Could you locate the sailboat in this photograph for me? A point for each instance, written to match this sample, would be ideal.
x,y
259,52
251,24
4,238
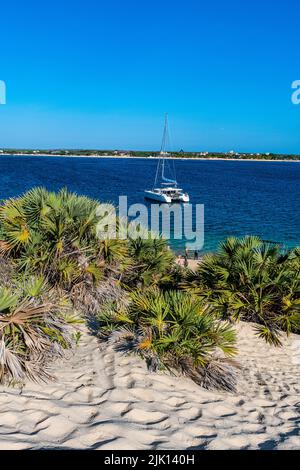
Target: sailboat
x,y
168,190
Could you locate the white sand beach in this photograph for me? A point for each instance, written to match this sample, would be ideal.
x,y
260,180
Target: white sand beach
x,y
153,157
104,400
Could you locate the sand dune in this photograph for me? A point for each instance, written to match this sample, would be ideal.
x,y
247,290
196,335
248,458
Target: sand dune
x,y
103,400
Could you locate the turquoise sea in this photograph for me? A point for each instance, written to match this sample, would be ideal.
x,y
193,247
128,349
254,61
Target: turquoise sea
x,y
240,197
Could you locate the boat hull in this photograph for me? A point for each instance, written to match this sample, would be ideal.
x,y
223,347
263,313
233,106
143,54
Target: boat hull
x,y
164,198
157,197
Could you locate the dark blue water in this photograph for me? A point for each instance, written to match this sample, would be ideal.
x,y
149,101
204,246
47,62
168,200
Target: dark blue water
x,y
240,198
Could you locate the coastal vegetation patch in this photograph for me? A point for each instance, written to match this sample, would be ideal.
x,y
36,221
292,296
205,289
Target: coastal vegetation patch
x,y
55,272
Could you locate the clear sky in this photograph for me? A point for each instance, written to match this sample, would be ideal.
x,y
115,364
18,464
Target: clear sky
x,y
101,74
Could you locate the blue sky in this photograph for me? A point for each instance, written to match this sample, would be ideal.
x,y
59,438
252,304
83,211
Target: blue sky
x,y
101,74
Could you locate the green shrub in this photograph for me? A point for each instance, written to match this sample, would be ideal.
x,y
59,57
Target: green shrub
x,y
36,326
250,280
56,234
176,331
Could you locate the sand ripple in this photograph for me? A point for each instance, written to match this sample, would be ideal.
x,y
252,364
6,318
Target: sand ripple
x,y
102,400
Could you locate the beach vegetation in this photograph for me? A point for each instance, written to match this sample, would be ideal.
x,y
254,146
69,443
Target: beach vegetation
x,y
175,331
55,234
55,266
36,326
254,281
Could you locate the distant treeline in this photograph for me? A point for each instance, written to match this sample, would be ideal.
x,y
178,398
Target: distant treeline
x,y
145,154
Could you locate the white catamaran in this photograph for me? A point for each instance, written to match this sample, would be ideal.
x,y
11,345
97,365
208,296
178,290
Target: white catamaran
x,y
168,190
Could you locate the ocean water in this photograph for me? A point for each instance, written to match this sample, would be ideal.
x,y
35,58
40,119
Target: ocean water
x,y
239,197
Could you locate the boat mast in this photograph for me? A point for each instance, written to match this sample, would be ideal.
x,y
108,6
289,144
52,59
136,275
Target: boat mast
x,y
165,136
161,161
164,145
162,155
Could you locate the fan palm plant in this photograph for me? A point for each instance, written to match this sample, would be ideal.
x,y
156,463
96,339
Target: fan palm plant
x,y
254,281
174,330
56,234
152,260
35,327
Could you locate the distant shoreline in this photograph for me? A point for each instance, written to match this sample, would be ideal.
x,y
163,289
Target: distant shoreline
x,y
120,157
